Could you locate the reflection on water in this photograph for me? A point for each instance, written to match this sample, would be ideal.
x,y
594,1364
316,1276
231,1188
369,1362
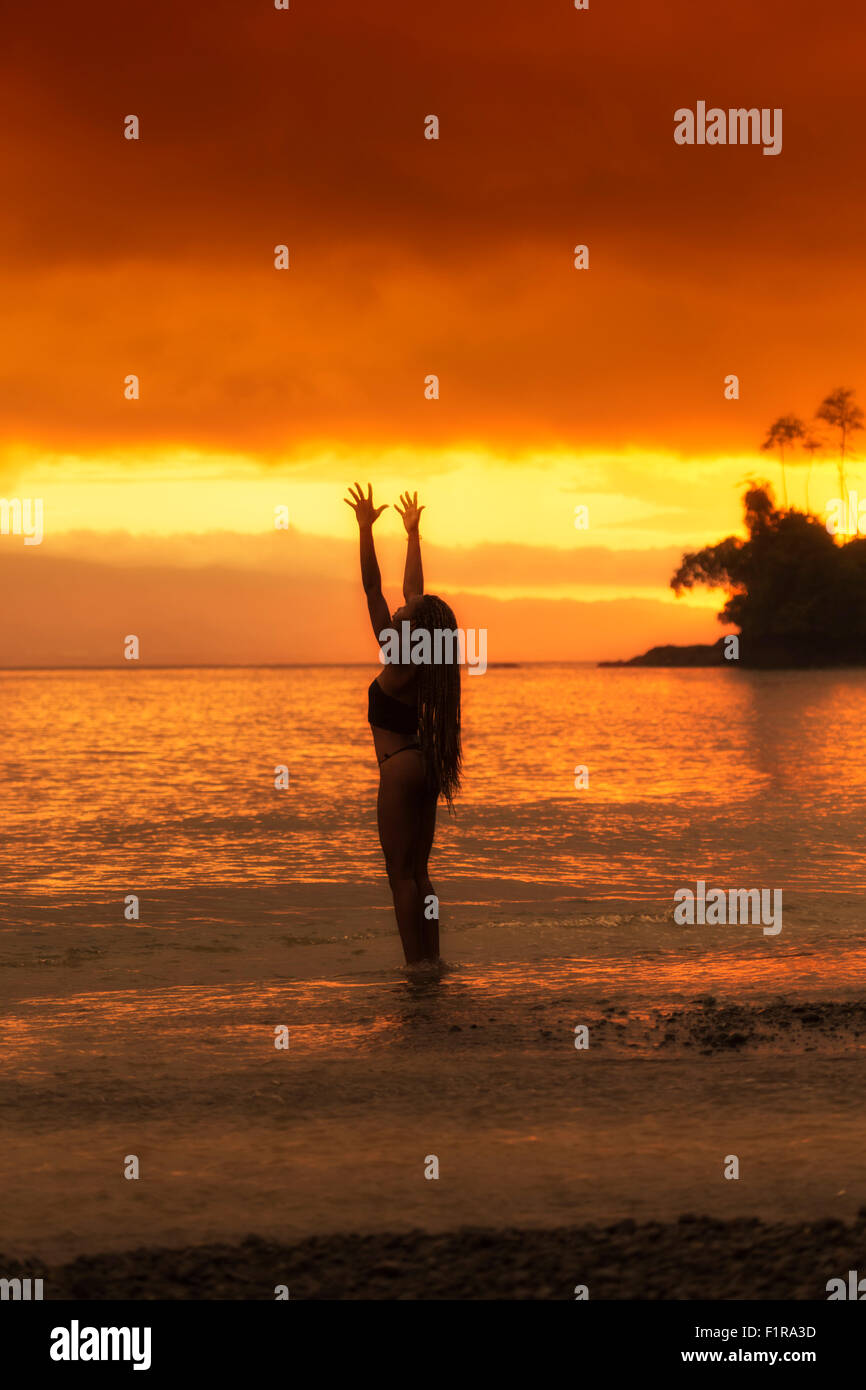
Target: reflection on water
x,y
505,1008
166,778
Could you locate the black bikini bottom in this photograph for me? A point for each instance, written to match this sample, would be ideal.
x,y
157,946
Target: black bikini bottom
x,y
385,758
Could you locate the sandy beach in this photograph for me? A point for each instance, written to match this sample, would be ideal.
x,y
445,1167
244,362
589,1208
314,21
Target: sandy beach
x,y
553,1162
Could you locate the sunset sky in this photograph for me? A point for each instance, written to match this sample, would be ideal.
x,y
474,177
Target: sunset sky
x,y
260,388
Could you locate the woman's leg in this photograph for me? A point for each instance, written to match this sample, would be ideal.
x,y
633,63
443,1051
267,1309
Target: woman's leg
x,y
400,807
426,828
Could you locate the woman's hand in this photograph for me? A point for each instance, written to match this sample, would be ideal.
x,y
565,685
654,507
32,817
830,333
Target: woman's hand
x,y
411,513
365,512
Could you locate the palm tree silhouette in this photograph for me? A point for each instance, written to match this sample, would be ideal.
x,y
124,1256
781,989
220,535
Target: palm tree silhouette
x,y
839,411
782,434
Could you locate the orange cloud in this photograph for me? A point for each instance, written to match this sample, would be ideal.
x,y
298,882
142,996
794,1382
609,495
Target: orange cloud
x,y
412,257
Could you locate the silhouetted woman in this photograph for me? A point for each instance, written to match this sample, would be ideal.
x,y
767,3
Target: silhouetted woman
x,y
414,714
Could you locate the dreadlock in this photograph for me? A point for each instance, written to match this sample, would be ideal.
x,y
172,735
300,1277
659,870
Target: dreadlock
x,y
439,702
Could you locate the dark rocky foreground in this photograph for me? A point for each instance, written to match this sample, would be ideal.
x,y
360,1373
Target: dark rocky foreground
x,y
693,1258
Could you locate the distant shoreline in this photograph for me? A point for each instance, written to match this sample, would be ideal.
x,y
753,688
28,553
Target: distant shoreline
x,y
704,655
670,656
699,655
272,666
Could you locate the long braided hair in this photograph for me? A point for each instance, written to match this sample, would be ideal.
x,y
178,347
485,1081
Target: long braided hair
x,y
439,702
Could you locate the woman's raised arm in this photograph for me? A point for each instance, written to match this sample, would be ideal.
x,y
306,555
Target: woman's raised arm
x,y
413,574
365,515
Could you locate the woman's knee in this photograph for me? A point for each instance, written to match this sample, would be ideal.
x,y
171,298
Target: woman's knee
x,y
399,868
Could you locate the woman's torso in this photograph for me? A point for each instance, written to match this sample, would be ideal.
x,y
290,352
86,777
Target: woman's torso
x,y
398,685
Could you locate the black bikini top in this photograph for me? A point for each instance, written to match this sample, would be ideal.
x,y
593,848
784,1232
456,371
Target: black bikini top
x,y
387,713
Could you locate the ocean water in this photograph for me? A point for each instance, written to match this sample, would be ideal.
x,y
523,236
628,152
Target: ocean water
x,y
264,908
167,776
161,783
